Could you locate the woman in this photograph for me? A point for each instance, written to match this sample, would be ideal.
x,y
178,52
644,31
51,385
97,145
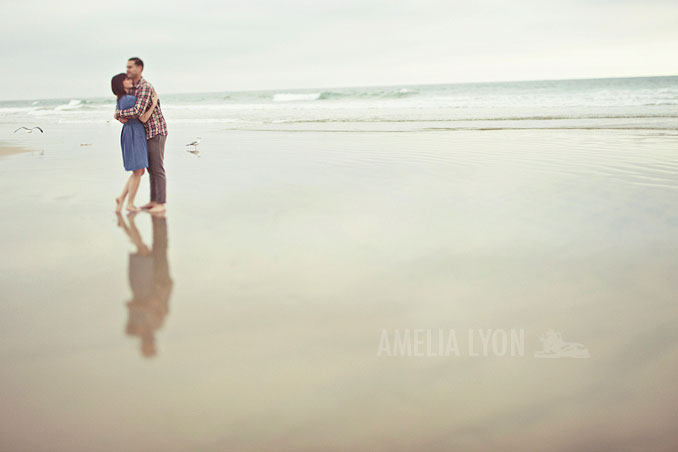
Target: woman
x,y
132,140
150,281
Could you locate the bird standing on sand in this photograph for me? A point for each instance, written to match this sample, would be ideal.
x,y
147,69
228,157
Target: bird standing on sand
x,y
195,146
29,130
194,143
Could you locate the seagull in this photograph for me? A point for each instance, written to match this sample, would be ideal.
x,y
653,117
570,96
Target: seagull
x,y
29,130
194,144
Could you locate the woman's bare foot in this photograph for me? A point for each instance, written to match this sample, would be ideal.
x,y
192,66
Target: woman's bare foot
x,y
158,208
118,204
132,208
149,205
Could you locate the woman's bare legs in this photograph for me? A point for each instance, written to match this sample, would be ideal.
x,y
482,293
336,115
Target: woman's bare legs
x,y
133,233
134,180
120,199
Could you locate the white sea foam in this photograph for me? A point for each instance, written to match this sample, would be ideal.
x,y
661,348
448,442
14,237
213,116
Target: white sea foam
x,y
292,97
36,112
72,105
8,111
209,121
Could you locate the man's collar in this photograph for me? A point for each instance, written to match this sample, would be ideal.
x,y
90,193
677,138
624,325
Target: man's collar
x,y
141,79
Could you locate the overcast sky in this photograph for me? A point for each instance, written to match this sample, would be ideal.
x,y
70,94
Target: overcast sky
x,y
73,48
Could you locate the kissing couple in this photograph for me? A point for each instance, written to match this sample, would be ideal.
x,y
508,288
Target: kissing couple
x,y
143,137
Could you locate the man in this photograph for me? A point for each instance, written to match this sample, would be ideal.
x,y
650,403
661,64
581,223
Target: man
x,y
150,281
156,133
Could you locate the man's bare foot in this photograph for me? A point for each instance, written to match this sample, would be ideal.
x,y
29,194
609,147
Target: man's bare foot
x,y
158,208
132,208
149,205
118,204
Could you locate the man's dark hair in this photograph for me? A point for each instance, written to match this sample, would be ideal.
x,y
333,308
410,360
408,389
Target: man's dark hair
x,y
116,85
137,61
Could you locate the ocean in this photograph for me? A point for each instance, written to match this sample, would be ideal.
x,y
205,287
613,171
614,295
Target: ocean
x,y
643,103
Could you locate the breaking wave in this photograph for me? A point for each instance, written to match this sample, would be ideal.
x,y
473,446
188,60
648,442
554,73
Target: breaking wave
x,y
73,104
346,95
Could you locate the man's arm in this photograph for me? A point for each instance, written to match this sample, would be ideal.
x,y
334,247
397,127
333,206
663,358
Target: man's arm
x,y
142,104
147,114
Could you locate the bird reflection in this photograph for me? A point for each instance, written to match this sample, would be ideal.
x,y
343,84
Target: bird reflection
x,y
150,282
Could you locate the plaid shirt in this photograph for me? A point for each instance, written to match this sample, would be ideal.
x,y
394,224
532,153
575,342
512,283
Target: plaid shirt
x,y
156,124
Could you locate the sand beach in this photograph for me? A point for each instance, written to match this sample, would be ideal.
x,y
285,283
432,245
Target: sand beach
x,y
9,150
251,317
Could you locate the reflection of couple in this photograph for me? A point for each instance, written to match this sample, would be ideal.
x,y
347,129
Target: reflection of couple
x,y
143,136
150,282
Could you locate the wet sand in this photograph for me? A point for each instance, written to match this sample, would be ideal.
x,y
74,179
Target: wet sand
x,y
250,317
9,150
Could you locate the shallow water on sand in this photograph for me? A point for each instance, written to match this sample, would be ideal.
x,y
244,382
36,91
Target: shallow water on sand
x,y
252,316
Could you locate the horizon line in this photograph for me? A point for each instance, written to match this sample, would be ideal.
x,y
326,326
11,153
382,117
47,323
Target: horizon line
x,y
370,86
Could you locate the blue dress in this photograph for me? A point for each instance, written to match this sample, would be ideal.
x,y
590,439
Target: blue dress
x,y
133,138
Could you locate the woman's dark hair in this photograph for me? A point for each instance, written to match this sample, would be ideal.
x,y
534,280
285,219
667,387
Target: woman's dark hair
x,y
116,85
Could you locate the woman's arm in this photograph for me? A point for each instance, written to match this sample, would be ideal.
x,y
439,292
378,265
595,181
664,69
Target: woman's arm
x,y
143,94
116,115
147,115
